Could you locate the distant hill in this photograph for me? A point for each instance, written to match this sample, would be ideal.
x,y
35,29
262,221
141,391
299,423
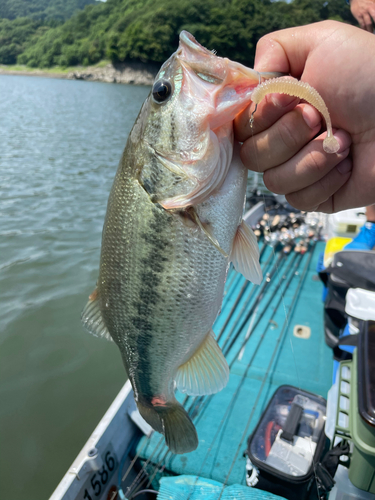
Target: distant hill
x,y
147,30
45,10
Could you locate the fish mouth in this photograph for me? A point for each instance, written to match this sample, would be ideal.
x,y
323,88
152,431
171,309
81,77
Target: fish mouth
x,y
226,84
188,40
210,67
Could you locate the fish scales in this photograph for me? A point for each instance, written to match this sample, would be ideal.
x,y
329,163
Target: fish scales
x,y
147,259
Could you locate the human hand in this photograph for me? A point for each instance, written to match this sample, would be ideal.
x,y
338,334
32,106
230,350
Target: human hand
x,y
338,60
364,12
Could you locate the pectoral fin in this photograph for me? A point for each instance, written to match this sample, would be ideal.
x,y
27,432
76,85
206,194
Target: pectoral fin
x,y
92,318
206,372
245,254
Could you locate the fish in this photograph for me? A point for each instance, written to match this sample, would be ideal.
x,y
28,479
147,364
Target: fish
x,y
173,226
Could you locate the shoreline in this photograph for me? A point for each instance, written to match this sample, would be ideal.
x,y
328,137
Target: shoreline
x,y
136,73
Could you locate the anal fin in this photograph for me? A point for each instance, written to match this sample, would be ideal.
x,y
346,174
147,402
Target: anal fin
x,y
245,254
206,372
92,318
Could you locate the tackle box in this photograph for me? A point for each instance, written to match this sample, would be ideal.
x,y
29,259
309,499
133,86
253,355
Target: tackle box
x,y
288,440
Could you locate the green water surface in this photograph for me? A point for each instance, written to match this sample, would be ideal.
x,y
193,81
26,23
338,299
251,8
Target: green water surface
x,y
60,144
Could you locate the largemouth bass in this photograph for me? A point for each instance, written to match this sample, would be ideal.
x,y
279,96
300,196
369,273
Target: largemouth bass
x,y
173,225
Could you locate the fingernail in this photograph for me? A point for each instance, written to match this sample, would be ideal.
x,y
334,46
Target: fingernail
x,y
345,166
282,100
311,116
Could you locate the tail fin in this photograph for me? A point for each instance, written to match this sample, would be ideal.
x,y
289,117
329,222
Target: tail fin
x,y
174,422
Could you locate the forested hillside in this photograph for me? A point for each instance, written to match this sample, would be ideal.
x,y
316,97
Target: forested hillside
x,y
146,30
46,10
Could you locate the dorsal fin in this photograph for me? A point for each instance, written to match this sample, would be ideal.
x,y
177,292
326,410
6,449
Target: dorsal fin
x,y
92,318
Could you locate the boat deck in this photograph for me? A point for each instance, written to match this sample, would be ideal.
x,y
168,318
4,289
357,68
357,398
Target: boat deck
x,y
255,330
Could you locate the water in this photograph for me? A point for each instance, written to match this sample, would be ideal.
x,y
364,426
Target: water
x,y
60,144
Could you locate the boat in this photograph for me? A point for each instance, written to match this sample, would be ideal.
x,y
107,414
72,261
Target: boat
x,y
273,337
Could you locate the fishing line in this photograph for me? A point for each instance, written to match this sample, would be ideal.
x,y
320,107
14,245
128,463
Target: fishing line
x,y
130,488
253,290
267,228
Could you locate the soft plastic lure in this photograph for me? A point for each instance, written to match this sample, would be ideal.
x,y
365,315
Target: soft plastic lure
x,y
303,91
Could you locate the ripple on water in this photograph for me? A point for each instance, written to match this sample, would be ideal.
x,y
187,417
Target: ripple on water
x,y
61,142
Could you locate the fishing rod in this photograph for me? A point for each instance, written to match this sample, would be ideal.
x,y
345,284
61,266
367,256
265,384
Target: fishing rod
x,y
301,247
242,291
281,335
297,253
252,328
244,287
264,285
143,470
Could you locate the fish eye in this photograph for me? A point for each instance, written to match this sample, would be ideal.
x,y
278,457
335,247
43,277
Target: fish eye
x,y
161,91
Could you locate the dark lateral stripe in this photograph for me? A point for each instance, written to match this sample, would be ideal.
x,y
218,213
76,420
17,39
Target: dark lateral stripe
x,y
173,136
150,275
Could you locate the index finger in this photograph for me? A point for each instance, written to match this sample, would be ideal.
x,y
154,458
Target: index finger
x,y
288,50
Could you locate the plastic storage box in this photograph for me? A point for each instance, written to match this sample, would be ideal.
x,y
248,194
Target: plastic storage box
x,y
362,412
286,443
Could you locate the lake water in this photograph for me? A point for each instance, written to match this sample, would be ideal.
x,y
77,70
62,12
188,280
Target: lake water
x,y
60,144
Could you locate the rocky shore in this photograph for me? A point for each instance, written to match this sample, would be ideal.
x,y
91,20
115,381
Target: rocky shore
x,y
136,73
